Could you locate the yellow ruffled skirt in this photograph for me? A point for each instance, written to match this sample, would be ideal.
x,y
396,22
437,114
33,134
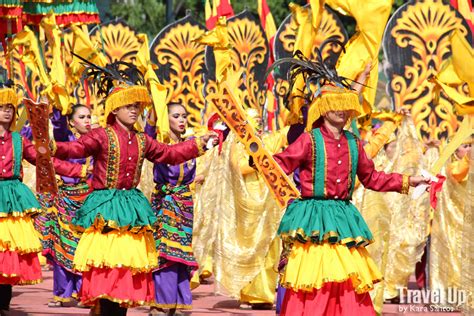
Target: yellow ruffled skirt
x,y
19,248
116,265
116,249
311,265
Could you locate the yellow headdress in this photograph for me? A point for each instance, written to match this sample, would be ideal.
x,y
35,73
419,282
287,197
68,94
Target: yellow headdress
x,y
333,98
8,95
122,84
122,96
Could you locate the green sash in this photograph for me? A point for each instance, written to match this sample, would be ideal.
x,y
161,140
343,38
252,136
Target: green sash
x,y
320,163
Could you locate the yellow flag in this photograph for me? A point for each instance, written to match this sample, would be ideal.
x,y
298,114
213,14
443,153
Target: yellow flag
x,y
304,43
82,46
32,59
371,18
62,99
218,38
158,91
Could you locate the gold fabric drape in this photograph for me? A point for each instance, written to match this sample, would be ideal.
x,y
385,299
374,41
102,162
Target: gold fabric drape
x,y
262,287
451,262
236,217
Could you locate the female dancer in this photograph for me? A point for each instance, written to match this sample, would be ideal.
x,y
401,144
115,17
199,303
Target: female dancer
x,y
172,203
60,242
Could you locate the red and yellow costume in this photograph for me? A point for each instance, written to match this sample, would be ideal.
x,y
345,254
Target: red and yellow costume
x,y
19,243
116,252
329,271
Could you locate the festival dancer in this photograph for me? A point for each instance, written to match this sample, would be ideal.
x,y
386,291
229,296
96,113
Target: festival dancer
x,y
19,244
60,241
172,203
447,261
329,271
259,294
116,252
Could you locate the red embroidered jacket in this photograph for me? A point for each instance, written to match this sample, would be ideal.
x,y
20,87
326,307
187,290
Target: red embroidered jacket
x,y
119,154
29,154
300,154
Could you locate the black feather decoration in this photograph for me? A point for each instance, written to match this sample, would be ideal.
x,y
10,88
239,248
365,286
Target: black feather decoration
x,y
106,78
7,84
316,73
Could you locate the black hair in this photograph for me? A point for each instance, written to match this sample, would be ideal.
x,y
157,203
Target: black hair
x,y
171,104
74,109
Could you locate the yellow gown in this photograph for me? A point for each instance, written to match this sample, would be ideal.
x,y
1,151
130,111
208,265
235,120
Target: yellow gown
x,y
451,262
236,220
398,223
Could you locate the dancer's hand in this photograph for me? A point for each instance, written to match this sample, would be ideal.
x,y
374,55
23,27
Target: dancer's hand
x,y
417,180
210,135
199,179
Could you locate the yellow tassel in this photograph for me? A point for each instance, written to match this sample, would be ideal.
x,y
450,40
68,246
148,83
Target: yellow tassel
x,y
126,96
8,96
333,101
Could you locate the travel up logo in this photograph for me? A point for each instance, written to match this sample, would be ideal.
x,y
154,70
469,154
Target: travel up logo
x,y
435,300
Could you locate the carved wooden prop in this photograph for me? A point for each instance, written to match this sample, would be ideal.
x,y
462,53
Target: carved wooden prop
x,y
38,115
416,43
231,111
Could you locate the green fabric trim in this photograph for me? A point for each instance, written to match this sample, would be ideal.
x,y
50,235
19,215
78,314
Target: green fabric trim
x,y
16,198
59,7
354,128
17,154
10,3
317,220
124,209
319,180
354,157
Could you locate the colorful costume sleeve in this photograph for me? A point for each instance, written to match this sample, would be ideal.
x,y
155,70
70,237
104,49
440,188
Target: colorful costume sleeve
x,y
60,129
158,152
379,138
297,154
63,168
379,180
459,169
150,130
86,146
27,132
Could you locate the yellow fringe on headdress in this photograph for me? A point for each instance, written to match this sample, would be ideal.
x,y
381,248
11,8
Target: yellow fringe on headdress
x,y
333,99
8,96
126,96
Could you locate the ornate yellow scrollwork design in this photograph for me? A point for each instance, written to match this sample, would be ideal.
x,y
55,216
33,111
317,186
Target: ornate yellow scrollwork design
x,y
117,39
181,65
416,44
249,54
285,39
